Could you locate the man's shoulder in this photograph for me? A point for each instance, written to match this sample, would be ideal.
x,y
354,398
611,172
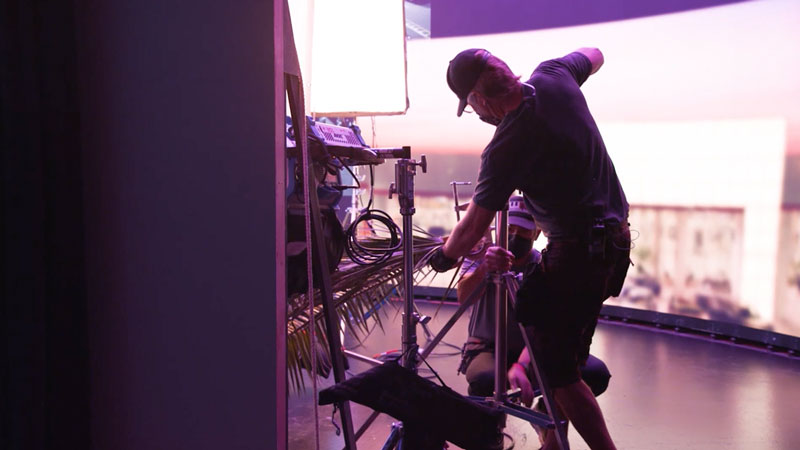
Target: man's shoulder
x,y
574,67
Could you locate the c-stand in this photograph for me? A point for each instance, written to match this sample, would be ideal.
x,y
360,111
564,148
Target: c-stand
x,y
405,170
505,286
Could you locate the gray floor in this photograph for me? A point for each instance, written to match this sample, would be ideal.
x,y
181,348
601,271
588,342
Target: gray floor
x,y
668,391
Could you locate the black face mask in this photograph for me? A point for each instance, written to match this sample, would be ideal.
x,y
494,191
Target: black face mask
x,y
490,120
519,246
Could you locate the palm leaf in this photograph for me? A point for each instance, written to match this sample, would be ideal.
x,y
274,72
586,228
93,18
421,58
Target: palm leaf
x,y
357,291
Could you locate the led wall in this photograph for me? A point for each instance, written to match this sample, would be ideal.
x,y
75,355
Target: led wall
x,y
698,104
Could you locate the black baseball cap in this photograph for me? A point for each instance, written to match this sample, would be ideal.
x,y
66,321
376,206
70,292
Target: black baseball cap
x,y
463,73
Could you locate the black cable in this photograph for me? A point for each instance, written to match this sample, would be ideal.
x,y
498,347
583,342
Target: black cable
x,y
372,254
358,183
371,185
375,253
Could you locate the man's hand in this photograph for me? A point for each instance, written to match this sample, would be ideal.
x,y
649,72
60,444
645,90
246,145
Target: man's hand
x,y
518,378
441,262
468,231
595,57
498,259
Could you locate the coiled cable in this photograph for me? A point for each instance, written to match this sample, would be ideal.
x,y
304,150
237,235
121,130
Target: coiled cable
x,y
374,252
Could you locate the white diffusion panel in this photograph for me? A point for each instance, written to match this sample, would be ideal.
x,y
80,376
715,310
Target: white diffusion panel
x,y
358,63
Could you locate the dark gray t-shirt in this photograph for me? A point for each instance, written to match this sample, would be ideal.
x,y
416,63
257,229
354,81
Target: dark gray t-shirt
x,y
551,150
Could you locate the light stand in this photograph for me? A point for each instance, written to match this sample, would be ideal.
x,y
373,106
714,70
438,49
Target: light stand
x,y
505,286
403,186
405,170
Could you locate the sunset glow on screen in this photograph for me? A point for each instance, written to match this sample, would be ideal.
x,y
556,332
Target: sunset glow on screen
x,y
700,110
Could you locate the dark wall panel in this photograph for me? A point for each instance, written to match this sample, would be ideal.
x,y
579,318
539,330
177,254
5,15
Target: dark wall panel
x,y
43,332
179,112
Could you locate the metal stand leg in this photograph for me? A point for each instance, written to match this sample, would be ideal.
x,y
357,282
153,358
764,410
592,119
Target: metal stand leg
x,y
544,387
395,437
456,315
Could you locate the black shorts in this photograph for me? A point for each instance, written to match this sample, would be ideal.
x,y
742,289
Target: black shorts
x,y
561,298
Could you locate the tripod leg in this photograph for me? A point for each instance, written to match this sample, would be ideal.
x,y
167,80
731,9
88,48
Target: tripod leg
x,y
547,395
544,388
394,438
467,303
419,437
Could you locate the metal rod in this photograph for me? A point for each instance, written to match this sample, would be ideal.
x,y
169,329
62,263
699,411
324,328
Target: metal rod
x,y
457,207
409,322
547,394
467,303
405,170
501,312
455,197
366,424
360,357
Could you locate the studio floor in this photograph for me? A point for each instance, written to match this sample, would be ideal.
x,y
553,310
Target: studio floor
x,y
668,390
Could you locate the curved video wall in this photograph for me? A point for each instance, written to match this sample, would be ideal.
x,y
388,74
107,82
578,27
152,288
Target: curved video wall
x,y
699,105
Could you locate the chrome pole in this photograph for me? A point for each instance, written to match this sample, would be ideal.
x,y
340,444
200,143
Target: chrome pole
x,y
501,312
405,170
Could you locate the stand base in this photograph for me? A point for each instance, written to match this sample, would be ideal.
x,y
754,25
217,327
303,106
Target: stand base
x,y
410,438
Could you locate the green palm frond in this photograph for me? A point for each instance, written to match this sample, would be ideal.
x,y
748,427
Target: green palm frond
x,y
357,291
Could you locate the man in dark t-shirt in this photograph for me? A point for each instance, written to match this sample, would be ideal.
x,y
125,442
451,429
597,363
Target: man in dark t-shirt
x,y
548,146
477,361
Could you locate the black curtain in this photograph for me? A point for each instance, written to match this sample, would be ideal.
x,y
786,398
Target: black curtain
x,y
44,389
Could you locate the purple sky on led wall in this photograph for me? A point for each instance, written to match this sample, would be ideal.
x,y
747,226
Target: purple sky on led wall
x,y
450,18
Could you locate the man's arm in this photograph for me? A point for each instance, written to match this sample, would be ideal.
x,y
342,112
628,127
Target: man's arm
x,y
594,55
469,282
468,231
518,377
524,357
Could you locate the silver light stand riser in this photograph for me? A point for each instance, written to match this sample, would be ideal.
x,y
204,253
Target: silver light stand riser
x,y
501,313
405,171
